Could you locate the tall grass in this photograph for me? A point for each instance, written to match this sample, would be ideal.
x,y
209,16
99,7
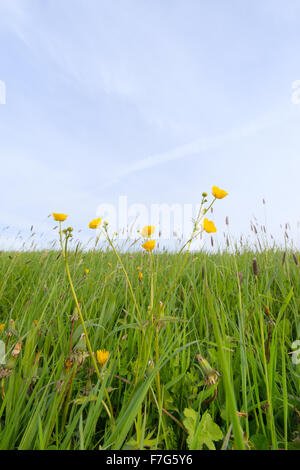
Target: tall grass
x,y
241,323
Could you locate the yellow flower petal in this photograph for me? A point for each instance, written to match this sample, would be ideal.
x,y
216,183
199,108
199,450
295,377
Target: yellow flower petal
x,y
209,226
95,223
148,230
149,245
218,193
59,217
102,356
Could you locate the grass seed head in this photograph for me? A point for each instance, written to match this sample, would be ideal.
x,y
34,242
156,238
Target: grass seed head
x,y
255,267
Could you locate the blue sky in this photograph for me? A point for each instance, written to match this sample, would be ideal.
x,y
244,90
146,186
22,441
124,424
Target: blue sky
x,y
157,101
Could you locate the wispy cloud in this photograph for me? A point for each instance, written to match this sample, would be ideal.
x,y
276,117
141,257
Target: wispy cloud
x,y
201,146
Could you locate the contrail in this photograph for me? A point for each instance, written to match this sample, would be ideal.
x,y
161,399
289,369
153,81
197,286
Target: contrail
x,y
200,146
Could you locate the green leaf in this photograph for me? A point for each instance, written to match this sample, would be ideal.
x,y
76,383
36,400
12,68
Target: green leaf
x,y
148,443
259,442
205,432
79,401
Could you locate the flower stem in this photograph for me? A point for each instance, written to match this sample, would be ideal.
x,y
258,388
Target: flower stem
x,y
64,250
80,314
127,278
188,244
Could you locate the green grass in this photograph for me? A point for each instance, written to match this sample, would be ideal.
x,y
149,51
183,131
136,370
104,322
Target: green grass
x,y
153,374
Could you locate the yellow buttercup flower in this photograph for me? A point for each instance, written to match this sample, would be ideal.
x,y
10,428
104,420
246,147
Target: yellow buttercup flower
x,y
149,245
102,356
140,276
95,223
86,271
2,327
148,230
59,217
138,268
209,226
218,193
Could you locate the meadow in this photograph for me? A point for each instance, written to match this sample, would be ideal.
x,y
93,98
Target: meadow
x,y
148,350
